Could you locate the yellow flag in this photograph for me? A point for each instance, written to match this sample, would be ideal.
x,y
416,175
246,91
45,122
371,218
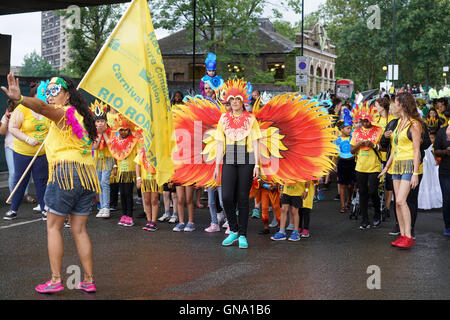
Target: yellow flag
x,y
128,74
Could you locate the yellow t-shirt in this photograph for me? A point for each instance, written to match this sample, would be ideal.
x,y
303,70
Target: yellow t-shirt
x,y
148,179
32,127
66,150
254,134
126,171
295,190
298,189
367,161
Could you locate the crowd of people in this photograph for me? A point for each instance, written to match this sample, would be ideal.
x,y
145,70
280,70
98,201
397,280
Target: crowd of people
x,y
385,152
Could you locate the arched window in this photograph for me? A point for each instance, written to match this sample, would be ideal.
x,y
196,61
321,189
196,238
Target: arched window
x,y
325,74
331,74
319,72
311,70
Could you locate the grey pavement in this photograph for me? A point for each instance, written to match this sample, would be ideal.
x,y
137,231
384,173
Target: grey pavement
x,y
130,263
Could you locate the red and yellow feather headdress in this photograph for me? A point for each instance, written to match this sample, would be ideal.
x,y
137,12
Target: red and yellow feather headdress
x,y
236,88
361,112
98,109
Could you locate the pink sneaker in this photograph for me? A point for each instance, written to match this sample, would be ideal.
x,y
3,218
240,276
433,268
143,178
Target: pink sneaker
x,y
128,222
122,221
87,287
228,230
305,233
213,228
48,287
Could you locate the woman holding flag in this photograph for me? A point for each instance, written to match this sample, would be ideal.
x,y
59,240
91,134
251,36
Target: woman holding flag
x,y
73,180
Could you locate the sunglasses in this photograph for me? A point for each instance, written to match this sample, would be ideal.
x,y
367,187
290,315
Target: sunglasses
x,y
53,91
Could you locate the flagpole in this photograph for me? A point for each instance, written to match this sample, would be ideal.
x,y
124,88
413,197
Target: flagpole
x,y
193,51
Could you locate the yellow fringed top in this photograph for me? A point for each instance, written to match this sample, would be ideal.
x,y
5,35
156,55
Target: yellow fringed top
x,y
403,150
66,153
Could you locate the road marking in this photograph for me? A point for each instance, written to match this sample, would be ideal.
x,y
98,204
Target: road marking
x,y
20,223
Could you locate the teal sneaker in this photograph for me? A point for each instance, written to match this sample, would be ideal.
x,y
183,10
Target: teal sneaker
x,y
232,238
256,214
243,242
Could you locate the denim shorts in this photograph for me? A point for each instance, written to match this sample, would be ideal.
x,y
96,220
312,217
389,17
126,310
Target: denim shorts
x,y
77,201
404,176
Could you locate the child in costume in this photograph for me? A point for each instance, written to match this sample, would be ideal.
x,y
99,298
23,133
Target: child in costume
x,y
305,210
111,117
269,194
212,78
291,199
145,180
365,144
434,121
102,157
346,175
124,150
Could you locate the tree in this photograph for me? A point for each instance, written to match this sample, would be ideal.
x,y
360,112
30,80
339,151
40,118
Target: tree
x,y
35,66
96,24
421,37
222,26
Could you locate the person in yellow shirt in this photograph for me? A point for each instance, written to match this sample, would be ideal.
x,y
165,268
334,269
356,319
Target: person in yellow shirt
x,y
73,181
238,136
365,145
383,105
405,163
102,157
29,129
145,180
124,150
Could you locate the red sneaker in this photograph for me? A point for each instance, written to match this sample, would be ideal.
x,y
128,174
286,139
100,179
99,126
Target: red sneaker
x,y
394,243
406,243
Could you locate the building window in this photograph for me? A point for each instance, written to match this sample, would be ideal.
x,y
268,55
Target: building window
x,y
278,68
178,76
199,71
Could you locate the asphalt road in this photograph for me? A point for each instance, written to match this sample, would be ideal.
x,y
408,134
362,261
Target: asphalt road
x,y
130,263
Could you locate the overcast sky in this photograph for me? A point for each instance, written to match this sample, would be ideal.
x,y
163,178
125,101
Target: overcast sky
x,y
26,29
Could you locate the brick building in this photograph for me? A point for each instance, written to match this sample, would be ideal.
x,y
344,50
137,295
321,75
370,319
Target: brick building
x,y
276,53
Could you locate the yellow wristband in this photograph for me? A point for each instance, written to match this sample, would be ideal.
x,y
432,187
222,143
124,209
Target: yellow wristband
x,y
306,190
415,174
20,100
138,178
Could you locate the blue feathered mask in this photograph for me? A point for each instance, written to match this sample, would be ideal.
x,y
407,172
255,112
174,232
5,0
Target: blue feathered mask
x,y
41,91
210,62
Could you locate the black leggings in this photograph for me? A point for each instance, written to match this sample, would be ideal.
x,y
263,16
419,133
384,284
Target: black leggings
x,y
236,183
114,195
304,214
368,187
126,198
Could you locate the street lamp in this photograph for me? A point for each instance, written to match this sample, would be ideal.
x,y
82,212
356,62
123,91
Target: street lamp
x,y
445,77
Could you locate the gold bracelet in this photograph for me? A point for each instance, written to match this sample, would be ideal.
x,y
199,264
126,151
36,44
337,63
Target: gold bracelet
x,y
415,173
138,178
256,165
20,100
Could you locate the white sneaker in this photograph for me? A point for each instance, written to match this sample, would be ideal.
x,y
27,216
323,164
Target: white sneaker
x,y
220,217
225,225
100,213
106,213
274,223
227,231
164,217
173,218
37,208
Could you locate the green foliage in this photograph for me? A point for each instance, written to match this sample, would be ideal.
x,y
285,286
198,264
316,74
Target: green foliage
x,y
222,26
35,66
96,25
421,33
260,76
290,81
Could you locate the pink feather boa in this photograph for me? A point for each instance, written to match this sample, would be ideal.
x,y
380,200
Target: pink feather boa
x,y
73,122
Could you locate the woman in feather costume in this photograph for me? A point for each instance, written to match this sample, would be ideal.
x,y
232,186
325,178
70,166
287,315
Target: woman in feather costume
x,y
294,143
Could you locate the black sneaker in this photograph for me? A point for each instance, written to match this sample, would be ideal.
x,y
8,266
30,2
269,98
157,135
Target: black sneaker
x,y
364,226
44,215
10,215
112,208
395,231
376,223
413,235
264,231
337,198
